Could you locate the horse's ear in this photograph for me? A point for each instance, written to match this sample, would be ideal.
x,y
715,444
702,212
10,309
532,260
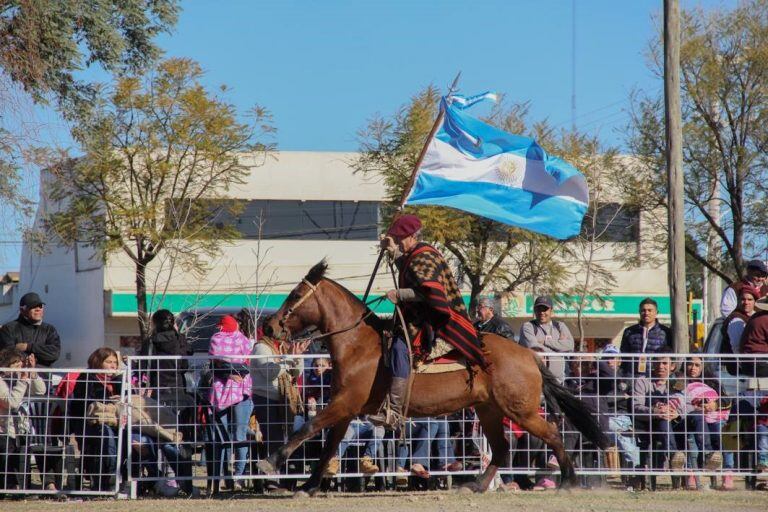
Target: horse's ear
x,y
317,272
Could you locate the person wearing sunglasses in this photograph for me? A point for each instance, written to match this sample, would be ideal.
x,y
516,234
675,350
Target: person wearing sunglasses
x,y
29,334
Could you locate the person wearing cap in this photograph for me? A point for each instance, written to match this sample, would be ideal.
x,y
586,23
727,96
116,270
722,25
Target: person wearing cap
x,y
543,334
433,308
756,277
488,321
29,334
645,337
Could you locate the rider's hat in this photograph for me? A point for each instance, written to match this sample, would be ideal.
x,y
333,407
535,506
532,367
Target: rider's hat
x,y
405,225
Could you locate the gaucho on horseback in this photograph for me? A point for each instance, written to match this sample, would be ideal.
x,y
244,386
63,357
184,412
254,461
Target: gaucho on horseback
x,y
434,312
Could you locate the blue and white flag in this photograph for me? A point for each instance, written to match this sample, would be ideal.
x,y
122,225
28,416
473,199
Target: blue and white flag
x,y
472,166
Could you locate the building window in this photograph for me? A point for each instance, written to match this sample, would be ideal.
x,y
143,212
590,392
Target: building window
x,y
614,223
304,220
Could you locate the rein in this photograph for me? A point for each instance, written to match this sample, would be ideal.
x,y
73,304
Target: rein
x,y
312,290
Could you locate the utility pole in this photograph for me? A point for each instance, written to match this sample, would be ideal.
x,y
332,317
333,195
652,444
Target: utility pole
x,y
674,133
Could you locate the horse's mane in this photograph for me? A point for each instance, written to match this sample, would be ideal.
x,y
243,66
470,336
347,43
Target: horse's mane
x,y
317,273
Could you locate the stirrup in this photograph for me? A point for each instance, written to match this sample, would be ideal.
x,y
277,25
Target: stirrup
x,y
386,417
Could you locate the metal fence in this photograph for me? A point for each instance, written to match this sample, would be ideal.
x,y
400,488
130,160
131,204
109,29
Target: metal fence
x,y
176,425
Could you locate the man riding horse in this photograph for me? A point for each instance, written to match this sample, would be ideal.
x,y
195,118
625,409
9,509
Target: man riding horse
x,y
433,310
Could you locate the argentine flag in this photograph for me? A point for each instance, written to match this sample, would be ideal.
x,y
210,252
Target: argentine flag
x,y
472,166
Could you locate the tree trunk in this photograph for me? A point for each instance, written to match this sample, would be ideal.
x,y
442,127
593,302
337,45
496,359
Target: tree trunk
x,y
141,300
674,133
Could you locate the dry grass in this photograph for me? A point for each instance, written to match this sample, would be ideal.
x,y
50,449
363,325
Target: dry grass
x,y
445,501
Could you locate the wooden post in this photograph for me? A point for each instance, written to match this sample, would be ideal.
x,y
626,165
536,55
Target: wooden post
x,y
674,134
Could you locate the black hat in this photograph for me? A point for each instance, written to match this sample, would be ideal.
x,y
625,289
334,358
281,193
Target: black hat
x,y
542,301
31,300
758,265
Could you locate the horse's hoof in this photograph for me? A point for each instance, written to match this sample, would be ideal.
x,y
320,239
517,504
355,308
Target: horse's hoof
x,y
300,495
266,467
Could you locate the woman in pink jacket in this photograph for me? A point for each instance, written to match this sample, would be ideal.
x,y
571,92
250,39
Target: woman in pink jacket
x,y
230,393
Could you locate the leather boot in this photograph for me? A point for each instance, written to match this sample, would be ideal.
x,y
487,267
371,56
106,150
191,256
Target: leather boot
x,y
391,415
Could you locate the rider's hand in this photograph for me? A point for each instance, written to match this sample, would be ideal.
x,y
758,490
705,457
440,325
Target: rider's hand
x,y
389,244
392,296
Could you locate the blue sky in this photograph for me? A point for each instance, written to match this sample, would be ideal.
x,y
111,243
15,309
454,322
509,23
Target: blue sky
x,y
324,68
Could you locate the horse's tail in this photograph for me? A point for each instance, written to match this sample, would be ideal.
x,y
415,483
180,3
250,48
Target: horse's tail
x,y
559,399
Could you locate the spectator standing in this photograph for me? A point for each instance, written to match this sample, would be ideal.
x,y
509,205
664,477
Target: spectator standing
x,y
646,337
754,340
543,334
231,391
488,321
734,324
272,366
756,277
363,430
30,334
167,375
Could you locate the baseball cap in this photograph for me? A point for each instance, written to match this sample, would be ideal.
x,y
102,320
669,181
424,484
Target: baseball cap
x,y
758,265
31,300
542,300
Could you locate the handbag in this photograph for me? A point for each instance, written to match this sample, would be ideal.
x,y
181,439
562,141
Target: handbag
x,y
103,413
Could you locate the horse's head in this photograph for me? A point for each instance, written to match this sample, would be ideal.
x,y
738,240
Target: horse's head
x,y
301,308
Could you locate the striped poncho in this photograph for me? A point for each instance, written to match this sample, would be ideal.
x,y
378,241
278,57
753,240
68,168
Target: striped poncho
x,y
441,312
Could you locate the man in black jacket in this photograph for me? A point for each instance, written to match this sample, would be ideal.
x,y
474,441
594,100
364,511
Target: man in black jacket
x,y
487,321
30,334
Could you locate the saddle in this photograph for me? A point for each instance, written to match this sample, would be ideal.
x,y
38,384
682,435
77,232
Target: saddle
x,y
449,362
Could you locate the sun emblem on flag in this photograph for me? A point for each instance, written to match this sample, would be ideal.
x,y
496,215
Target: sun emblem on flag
x,y
508,171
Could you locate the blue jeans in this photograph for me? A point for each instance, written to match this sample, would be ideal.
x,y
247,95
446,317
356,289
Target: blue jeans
x,y
423,432
235,419
704,438
762,445
363,430
100,454
618,425
399,360
148,459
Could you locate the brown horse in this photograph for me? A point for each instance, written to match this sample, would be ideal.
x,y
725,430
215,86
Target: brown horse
x,y
360,382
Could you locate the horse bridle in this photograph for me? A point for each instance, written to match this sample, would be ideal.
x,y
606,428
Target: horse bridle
x,y
290,310
312,290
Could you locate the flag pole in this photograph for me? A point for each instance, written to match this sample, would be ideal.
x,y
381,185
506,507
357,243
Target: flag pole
x,y
435,126
412,179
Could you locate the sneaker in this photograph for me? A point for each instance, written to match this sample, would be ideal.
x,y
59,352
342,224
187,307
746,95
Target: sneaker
x,y
728,483
333,467
544,484
367,467
714,461
401,480
237,486
677,462
762,467
552,463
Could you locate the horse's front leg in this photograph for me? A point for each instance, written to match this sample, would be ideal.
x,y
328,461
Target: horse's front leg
x,y
329,450
325,418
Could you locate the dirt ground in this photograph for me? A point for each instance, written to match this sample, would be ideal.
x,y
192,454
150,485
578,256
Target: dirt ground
x,y
441,501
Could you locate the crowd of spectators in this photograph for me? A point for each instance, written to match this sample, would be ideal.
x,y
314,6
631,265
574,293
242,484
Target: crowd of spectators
x,y
660,412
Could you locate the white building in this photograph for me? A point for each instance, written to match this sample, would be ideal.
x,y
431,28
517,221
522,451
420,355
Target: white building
x,y
311,206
